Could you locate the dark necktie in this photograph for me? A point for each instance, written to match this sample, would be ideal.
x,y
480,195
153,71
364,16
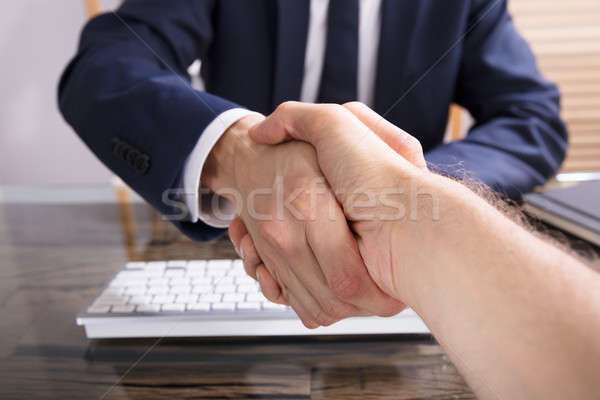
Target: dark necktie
x,y
340,67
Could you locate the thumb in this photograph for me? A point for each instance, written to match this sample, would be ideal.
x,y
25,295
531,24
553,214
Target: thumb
x,y
317,124
281,125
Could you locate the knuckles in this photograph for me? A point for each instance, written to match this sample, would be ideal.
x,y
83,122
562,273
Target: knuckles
x,y
345,287
285,107
415,146
276,233
354,105
332,111
323,319
392,309
338,310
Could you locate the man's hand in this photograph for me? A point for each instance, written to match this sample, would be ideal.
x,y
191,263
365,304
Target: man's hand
x,y
297,227
371,165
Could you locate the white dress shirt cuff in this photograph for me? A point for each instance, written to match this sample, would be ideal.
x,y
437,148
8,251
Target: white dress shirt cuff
x,y
200,202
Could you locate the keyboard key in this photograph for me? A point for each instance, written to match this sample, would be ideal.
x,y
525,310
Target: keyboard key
x,y
186,298
245,280
174,272
116,283
196,264
156,265
158,281
179,281
180,289
198,306
110,300
247,288
129,275
131,290
227,288
173,307
234,297
135,265
238,272
210,298
123,308
218,264
202,289
226,280
177,263
216,273
140,300
202,280
158,290
99,303
248,306
163,299
98,309
154,273
193,273
223,306
148,308
256,297
267,305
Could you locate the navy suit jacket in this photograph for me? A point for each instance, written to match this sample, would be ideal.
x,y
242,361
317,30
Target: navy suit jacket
x,y
127,94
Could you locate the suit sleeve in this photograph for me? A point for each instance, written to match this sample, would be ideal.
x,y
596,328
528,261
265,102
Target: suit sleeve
x,y
518,140
127,95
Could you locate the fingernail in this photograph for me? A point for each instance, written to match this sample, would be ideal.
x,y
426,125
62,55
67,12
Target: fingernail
x,y
257,276
241,253
237,251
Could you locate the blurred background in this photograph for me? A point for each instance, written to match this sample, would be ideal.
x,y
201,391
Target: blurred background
x,y
38,37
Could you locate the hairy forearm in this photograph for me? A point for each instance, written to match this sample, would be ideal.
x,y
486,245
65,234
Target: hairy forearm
x,y
515,314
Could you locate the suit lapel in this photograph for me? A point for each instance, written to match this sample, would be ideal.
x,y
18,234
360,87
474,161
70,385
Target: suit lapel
x,y
398,21
290,48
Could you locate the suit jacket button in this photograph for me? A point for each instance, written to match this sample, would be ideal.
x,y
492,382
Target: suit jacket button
x,y
142,163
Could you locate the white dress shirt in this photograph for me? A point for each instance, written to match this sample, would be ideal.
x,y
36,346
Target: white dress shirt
x,y
368,43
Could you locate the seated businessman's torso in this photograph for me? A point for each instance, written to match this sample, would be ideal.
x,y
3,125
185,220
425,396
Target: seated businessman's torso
x,y
257,58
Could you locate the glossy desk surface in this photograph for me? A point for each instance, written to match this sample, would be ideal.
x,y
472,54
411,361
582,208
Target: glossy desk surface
x,y
54,259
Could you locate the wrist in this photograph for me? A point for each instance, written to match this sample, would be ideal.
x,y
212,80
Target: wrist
x,y
219,169
446,211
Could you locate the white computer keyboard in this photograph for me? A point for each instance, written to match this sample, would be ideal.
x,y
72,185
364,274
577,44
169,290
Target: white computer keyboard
x,y
207,298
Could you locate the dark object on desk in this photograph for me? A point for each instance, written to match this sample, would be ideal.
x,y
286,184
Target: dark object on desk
x,y
574,209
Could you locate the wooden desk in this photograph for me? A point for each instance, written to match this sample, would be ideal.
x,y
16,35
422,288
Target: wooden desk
x,y
55,258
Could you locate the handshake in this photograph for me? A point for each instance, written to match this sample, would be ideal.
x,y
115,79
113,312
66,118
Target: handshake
x,y
328,203
342,218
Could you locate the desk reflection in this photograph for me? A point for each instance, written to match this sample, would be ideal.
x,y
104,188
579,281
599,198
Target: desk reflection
x,y
55,259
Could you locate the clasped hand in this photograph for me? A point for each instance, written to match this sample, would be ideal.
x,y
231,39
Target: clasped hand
x,y
322,245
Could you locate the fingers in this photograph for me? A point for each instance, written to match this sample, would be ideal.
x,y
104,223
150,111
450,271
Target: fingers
x,y
306,317
399,140
305,121
299,294
268,286
292,264
237,230
249,255
336,251
305,306
332,129
281,124
244,246
312,290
